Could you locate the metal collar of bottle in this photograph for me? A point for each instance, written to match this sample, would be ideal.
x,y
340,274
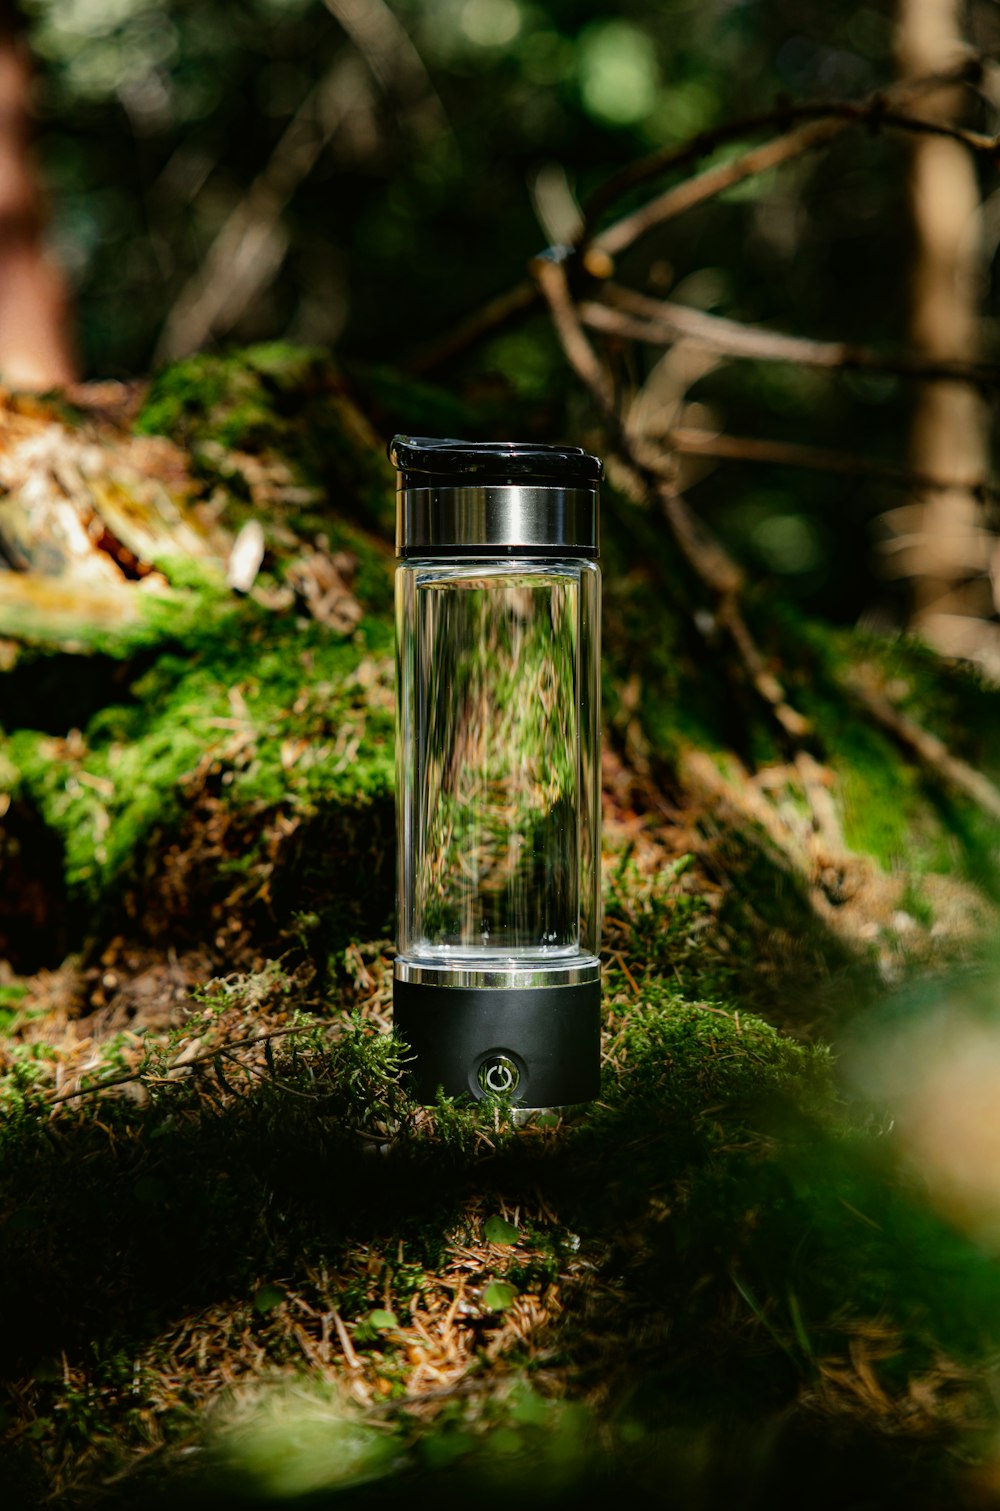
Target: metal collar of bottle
x,y
497,519
520,974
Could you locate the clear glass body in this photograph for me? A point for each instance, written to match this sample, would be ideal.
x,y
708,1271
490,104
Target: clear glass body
x,y
498,761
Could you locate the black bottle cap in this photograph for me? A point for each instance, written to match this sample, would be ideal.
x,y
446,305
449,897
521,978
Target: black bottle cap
x,y
424,462
494,498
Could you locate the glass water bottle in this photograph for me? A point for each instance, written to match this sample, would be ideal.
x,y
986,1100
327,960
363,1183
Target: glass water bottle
x,y
498,602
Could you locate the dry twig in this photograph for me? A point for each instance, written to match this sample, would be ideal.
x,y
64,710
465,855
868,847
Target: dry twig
x,y
637,317
785,114
207,1057
251,244
736,448
823,122
644,475
713,182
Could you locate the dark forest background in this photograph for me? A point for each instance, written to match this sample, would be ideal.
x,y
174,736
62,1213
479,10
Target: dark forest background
x,y
364,176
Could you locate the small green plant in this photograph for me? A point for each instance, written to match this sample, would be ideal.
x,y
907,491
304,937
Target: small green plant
x,y
498,1296
499,1230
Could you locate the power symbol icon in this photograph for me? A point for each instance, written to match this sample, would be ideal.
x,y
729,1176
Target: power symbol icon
x,y
499,1075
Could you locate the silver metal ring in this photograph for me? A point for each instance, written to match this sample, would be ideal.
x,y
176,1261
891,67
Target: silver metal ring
x,y
520,974
432,519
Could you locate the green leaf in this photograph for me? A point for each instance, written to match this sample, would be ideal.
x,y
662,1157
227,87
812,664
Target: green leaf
x,y
381,1319
267,1298
498,1230
498,1296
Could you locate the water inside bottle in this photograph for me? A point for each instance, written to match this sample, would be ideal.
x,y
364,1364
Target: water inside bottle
x,y
496,872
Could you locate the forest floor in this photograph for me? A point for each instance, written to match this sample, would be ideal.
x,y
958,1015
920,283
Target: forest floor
x,y
240,1264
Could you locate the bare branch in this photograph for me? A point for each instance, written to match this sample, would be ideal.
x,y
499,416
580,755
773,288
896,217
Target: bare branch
x,y
550,276
767,685
251,244
784,115
637,317
714,181
644,477
736,448
826,120
395,63
823,120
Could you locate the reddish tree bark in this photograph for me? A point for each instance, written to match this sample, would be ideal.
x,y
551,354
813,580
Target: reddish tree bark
x,y
36,346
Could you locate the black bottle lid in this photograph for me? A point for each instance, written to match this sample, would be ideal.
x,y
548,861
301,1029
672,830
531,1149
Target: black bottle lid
x,y
422,459
494,498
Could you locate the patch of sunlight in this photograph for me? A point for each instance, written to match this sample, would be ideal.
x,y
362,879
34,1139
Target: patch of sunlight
x,y
491,23
619,76
298,1440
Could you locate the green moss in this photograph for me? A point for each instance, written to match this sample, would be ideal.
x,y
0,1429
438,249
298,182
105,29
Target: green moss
x,y
768,1173
669,670
283,402
12,995
723,1219
685,1056
244,400
664,925
884,806
278,713
894,808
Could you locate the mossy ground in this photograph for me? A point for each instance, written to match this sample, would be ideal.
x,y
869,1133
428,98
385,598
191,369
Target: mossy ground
x,y
239,1255
240,1263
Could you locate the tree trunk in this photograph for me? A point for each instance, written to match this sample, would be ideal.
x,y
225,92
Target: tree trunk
x,y
942,542
36,347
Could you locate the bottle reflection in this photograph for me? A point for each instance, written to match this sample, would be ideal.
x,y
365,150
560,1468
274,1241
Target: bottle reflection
x,y
497,675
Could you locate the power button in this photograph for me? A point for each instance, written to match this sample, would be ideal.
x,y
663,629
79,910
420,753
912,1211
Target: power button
x,y
498,1075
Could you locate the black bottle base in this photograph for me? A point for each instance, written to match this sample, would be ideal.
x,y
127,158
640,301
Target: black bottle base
x,y
539,1045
